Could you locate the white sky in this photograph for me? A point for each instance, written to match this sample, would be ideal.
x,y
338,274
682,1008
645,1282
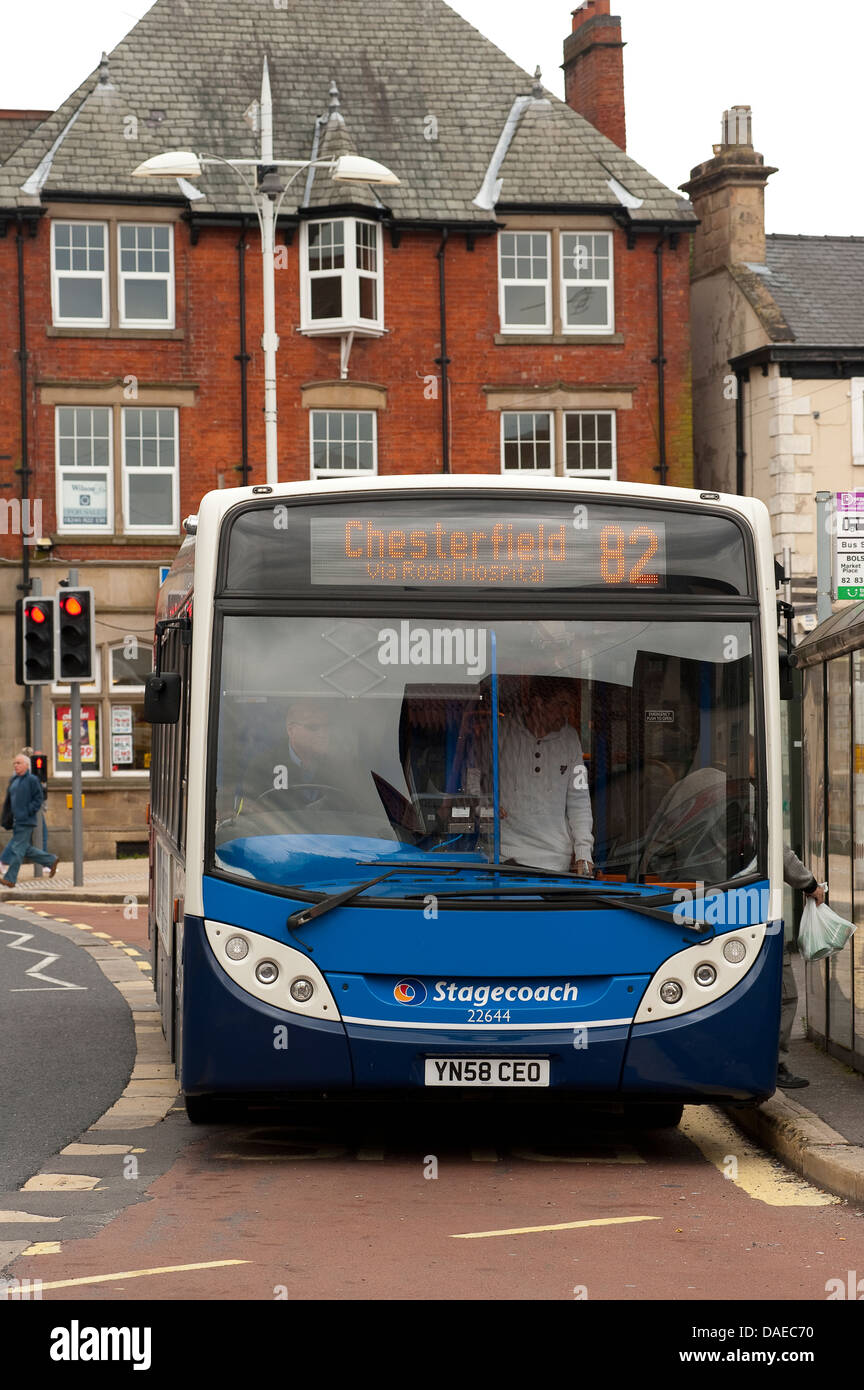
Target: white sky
x,y
798,64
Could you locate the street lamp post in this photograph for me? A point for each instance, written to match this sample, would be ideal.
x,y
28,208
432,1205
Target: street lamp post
x,y
267,201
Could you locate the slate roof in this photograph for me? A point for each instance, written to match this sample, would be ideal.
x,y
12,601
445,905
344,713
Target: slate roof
x,y
396,62
817,283
15,126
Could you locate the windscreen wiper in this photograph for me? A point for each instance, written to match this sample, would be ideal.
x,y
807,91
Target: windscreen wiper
x,y
308,914
691,923
304,915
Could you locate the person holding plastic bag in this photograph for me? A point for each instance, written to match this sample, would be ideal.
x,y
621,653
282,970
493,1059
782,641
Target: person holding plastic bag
x,y
797,875
822,931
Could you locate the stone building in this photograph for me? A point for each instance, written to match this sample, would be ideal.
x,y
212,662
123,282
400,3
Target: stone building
x,y
778,353
520,302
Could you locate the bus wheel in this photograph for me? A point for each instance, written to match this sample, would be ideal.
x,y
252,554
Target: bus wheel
x,y
665,1116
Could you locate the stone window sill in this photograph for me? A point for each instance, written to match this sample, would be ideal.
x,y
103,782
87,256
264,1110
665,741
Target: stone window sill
x,y
57,331
557,339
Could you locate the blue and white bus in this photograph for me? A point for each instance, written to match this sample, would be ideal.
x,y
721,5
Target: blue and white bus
x,y
359,890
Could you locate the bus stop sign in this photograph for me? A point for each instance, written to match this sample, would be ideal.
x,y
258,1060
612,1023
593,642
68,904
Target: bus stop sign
x,y
850,545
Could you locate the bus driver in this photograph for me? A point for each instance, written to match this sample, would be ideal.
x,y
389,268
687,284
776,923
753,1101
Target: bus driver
x,y
546,818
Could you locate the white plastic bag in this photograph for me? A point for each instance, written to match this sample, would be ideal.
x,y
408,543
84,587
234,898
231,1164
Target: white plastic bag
x,y
822,931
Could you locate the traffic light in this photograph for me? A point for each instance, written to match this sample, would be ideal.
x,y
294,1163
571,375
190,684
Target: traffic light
x,y
35,665
39,768
76,656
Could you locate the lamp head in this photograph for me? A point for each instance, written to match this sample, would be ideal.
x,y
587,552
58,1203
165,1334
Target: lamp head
x,y
180,164
352,168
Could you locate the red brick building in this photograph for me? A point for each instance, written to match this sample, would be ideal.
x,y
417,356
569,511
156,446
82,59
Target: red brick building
x,y
519,302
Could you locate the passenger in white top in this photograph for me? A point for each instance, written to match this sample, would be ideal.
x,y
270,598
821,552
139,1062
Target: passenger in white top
x,y
546,818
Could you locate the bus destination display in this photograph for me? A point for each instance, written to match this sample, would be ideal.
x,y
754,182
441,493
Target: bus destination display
x,y
613,549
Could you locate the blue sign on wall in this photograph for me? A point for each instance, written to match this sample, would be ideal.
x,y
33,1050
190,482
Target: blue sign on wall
x,y
164,571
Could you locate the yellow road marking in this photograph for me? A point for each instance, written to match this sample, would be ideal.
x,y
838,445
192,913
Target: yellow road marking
x,y
61,1182
143,965
106,935
139,1274
43,1247
130,951
62,919
560,1226
18,1218
103,1150
83,926
745,1164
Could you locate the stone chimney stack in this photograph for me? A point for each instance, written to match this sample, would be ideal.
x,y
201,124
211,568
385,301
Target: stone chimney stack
x,y
728,195
594,69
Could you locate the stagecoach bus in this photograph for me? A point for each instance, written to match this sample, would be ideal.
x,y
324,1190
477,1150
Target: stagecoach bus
x,y
468,784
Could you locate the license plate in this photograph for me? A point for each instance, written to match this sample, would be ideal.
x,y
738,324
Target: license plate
x,y
487,1071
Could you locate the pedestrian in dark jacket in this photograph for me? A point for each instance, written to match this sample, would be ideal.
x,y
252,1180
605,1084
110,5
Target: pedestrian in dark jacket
x,y
24,799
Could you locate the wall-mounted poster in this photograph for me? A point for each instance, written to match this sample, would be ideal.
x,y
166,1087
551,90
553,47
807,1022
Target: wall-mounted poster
x,y
121,750
63,730
84,501
121,720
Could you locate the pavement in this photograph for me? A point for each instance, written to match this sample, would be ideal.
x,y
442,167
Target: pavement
x,y
817,1130
105,881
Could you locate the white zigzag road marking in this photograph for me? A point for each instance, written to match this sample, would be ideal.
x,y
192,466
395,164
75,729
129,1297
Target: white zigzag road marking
x,y
35,970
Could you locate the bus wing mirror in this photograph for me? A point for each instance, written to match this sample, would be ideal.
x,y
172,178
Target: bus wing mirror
x,y
162,692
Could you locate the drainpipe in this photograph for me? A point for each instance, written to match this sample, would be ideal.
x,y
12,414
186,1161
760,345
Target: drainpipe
x,y
740,454
243,357
24,469
444,360
661,467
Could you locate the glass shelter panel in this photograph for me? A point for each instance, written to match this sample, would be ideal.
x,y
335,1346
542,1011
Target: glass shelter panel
x,y
857,943
814,824
840,843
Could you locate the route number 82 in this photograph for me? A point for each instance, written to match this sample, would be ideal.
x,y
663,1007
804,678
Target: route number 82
x,y
616,564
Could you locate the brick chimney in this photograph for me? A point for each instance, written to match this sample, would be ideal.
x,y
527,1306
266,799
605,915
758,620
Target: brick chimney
x,y
594,69
728,195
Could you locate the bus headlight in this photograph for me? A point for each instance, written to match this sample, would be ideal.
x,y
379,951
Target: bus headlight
x,y
267,973
237,948
671,992
734,950
704,975
302,989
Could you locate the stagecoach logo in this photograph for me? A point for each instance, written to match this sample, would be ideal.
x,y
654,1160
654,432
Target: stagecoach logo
x,y
433,646
409,992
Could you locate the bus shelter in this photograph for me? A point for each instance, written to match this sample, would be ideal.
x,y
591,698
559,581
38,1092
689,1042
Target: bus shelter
x,y
831,659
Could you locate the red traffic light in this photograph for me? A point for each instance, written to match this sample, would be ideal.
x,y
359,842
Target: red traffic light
x,y
73,606
36,614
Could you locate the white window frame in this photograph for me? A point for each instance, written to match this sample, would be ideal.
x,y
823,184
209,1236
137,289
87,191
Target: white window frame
x,y
119,692
609,474
591,329
61,695
60,470
544,328
137,702
58,275
123,276
140,471
530,472
349,275
343,472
